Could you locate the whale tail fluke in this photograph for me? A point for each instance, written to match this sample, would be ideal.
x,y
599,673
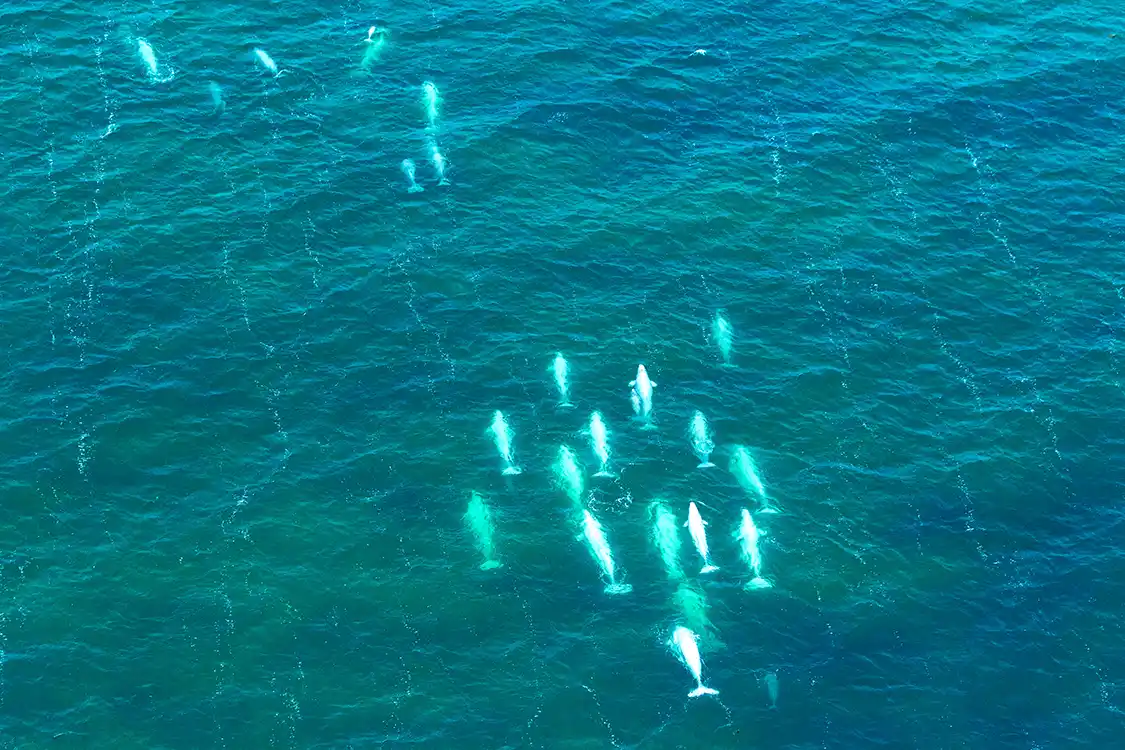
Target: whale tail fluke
x,y
491,565
648,426
415,189
604,473
769,509
706,465
512,471
708,568
758,583
618,588
443,181
702,690
565,405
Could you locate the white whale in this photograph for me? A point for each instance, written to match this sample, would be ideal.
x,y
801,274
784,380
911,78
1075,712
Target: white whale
x,y
430,100
408,170
562,370
684,642
266,61
666,537
599,441
569,474
701,441
771,689
439,164
216,98
695,524
599,548
642,395
748,536
373,47
478,517
148,57
746,472
722,333
691,601
503,439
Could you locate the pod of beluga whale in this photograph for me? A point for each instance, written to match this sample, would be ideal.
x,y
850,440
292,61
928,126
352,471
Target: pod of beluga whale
x,y
689,597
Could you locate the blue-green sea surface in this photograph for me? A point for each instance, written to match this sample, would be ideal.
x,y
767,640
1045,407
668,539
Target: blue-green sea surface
x,y
249,374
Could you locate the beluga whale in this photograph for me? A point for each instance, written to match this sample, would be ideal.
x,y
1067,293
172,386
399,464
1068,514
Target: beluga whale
x,y
599,441
569,475
373,46
266,61
408,170
746,472
748,536
502,436
696,524
148,57
478,517
439,162
691,600
599,548
561,370
686,648
666,538
771,689
701,441
722,334
430,100
641,396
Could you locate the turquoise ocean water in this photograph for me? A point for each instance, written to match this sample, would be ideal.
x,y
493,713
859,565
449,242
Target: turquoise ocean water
x,y
248,374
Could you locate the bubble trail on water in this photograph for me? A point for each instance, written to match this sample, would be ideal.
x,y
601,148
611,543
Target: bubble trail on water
x,y
962,372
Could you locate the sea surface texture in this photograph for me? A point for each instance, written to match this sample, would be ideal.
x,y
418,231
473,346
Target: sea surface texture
x,y
250,374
